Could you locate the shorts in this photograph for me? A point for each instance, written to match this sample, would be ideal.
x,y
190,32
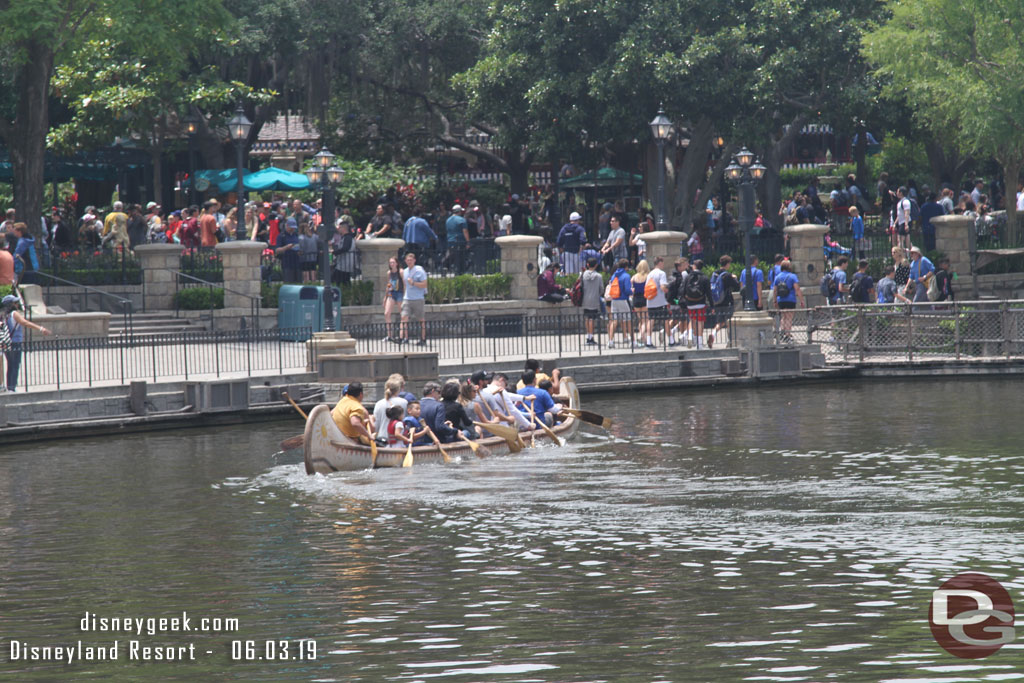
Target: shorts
x,y
658,312
903,229
697,314
639,302
786,305
413,309
591,314
397,296
621,309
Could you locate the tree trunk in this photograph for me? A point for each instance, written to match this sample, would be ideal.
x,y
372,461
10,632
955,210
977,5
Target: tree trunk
x,y
689,176
155,154
946,163
1011,175
860,156
27,135
770,190
519,174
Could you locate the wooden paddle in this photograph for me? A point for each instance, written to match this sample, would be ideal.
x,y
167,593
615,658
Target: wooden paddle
x,y
437,442
478,450
292,442
510,434
533,423
295,405
547,430
589,417
407,460
504,409
373,453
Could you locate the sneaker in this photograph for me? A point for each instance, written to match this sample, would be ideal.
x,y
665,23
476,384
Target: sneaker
x,y
650,345
672,343
689,342
611,345
591,342
421,342
402,341
387,339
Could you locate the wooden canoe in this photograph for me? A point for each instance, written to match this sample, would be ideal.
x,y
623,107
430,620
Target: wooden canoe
x,y
327,450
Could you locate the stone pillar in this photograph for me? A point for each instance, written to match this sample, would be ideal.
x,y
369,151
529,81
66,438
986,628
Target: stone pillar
x,y
952,237
519,259
241,261
665,243
808,259
373,257
158,262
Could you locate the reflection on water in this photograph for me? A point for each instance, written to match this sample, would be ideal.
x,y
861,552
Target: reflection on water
x,y
787,534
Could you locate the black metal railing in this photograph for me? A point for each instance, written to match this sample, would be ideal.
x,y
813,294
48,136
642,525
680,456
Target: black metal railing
x,y
84,362
117,266
215,292
514,335
203,263
83,298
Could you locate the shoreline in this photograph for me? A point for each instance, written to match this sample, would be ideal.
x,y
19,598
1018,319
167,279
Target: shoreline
x,y
656,371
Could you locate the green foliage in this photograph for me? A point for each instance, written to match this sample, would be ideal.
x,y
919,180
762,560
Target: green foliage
x,y
357,293
469,288
797,179
269,293
903,159
199,298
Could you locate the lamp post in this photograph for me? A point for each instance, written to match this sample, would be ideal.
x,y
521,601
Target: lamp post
x,y
661,129
745,173
191,127
438,158
238,128
324,176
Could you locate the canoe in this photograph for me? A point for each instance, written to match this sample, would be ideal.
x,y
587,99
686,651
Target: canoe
x,y
327,450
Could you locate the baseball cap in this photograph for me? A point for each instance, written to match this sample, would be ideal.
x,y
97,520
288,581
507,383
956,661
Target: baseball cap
x,y
608,205
574,216
291,223
480,376
515,198
9,299
457,207
151,205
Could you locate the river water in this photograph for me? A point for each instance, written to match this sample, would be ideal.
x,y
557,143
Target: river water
x,y
783,534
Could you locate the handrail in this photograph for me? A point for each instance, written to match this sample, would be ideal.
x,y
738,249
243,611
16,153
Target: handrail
x,y
126,304
254,301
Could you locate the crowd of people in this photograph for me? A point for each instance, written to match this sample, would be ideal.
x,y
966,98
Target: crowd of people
x,y
455,410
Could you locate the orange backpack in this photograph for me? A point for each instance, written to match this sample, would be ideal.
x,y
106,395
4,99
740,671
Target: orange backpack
x,y
650,289
613,289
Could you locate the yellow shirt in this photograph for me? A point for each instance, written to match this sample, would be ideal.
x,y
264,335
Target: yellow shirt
x,y
343,412
540,377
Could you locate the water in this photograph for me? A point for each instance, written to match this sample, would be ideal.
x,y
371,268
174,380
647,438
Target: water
x,y
783,534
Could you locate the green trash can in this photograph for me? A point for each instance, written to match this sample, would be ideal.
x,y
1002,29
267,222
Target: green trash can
x,y
301,309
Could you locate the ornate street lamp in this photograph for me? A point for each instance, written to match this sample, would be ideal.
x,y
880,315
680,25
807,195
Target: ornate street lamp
x,y
745,172
324,176
238,128
661,129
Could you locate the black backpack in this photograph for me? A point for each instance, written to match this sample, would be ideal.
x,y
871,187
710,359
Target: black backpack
x,y
676,286
858,290
693,288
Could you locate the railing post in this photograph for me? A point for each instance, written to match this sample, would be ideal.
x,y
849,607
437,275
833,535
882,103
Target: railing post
x,y
1007,339
861,331
216,351
184,345
956,330
57,346
910,333
120,346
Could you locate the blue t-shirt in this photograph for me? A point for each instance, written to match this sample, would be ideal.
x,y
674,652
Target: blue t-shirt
x,y
412,425
929,211
920,268
839,276
773,273
758,280
857,225
290,258
414,274
454,226
791,281
541,405
571,238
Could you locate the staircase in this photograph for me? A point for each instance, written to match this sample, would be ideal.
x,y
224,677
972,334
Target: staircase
x,y
152,323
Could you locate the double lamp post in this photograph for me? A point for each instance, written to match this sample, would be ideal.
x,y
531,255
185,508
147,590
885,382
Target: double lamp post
x,y
745,172
324,176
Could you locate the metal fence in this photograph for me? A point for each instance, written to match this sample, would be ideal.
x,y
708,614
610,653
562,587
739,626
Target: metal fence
x,y
908,332
493,338
85,362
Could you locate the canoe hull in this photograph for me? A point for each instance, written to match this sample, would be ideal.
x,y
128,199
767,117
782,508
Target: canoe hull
x,y
327,450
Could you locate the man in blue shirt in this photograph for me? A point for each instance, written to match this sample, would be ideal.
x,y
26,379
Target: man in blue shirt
x,y
929,210
458,238
414,299
287,249
920,269
544,407
570,239
752,293
839,277
417,233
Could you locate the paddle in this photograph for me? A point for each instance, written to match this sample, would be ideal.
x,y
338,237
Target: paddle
x,y
437,443
292,442
478,450
508,413
547,430
407,460
295,405
373,453
533,424
589,417
510,434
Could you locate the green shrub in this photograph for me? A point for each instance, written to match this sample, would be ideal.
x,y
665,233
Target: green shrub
x,y
468,288
199,298
357,293
269,294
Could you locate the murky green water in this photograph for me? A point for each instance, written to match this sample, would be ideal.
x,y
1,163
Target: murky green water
x,y
787,534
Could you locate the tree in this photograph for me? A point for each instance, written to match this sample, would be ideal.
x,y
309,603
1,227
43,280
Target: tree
x,y
958,64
